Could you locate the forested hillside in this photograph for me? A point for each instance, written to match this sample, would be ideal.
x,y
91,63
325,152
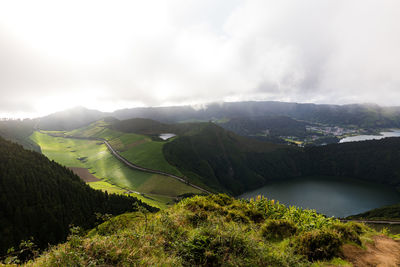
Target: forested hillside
x,y
228,162
373,160
42,199
19,131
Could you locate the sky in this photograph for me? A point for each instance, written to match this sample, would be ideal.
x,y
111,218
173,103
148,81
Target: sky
x,y
108,55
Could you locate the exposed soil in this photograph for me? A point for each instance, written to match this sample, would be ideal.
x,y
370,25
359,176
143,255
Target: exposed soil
x,y
84,174
139,142
384,252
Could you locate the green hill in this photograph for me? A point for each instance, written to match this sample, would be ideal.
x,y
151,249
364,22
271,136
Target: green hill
x,y
41,199
213,231
136,147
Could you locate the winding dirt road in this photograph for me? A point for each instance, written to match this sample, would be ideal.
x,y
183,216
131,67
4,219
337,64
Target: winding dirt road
x,y
134,166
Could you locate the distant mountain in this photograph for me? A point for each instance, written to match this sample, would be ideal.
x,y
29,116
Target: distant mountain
x,y
269,125
162,114
362,115
42,199
70,119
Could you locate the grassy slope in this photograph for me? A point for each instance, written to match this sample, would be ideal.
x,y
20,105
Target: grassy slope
x,y
139,149
103,165
213,231
158,201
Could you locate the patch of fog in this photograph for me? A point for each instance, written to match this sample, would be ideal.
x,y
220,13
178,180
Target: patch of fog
x,y
166,136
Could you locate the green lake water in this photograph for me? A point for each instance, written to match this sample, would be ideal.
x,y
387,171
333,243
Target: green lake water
x,y
332,196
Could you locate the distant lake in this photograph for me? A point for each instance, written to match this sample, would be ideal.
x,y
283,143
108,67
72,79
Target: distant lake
x,y
394,133
332,196
166,136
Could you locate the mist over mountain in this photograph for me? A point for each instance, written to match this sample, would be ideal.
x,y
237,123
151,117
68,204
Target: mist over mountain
x,y
360,115
70,119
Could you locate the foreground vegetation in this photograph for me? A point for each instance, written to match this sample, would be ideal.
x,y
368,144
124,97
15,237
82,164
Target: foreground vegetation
x,y
214,230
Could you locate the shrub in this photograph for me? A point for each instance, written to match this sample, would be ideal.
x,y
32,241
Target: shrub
x,y
213,248
197,204
278,229
221,199
358,227
195,219
254,215
347,232
237,216
318,244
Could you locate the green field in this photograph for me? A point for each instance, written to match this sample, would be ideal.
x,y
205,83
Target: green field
x,y
138,149
95,156
158,201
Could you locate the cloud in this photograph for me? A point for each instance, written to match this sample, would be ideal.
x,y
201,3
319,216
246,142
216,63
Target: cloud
x,y
110,55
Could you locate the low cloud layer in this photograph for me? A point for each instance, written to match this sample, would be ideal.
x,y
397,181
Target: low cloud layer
x,y
117,54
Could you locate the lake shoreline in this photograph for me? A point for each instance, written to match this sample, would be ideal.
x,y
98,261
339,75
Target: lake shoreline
x,y
348,196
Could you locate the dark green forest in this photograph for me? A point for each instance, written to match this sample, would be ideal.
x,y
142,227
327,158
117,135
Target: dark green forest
x,y
42,199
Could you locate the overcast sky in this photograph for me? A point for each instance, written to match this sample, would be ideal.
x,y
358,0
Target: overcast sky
x,y
117,54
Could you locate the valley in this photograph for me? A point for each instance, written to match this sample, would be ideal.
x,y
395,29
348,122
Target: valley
x,y
115,176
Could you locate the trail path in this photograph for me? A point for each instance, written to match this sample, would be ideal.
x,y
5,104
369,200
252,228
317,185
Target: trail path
x,y
384,252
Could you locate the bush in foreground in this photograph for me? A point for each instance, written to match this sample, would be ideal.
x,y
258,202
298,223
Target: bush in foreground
x,y
214,230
